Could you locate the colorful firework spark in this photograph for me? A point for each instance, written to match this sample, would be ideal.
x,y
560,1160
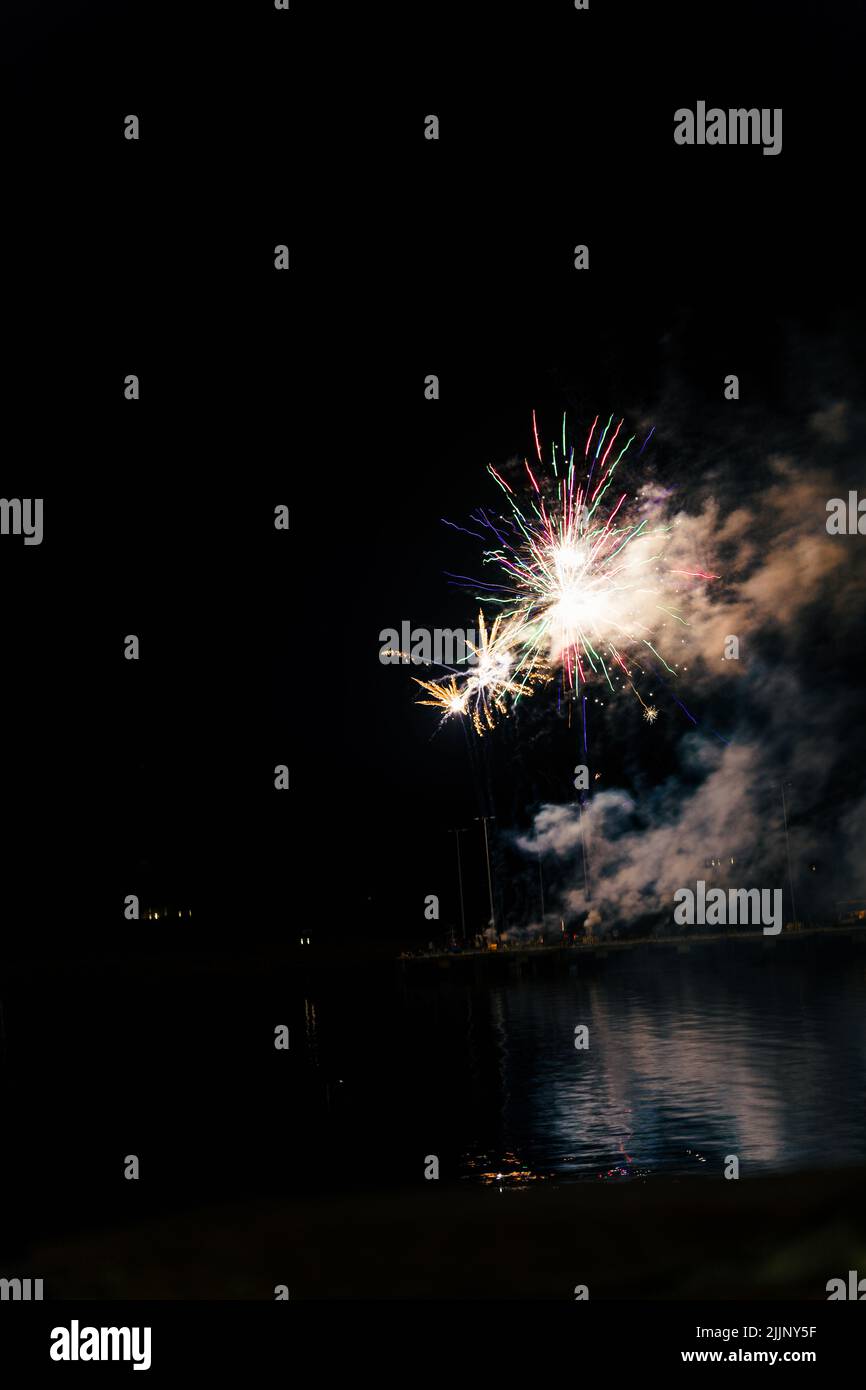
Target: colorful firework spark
x,y
583,578
495,681
583,583
445,696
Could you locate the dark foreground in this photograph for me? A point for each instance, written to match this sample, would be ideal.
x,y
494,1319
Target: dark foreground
x,y
765,1238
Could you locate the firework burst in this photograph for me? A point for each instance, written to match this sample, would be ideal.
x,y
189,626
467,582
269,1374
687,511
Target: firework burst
x,y
584,578
443,695
497,677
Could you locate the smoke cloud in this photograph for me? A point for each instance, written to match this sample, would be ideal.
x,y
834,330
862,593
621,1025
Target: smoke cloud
x,y
783,712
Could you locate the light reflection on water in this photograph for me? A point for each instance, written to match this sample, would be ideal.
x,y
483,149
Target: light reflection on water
x,y
688,1062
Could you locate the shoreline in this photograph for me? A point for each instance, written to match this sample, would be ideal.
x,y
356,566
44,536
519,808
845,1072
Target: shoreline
x,y
769,1237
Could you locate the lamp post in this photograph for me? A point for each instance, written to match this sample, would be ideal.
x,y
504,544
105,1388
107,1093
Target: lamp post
x,y
788,853
457,834
484,820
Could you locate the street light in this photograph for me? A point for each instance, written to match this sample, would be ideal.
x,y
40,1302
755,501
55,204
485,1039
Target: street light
x,y
788,853
484,820
457,834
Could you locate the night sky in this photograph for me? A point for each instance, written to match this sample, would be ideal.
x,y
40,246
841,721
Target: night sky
x,y
411,257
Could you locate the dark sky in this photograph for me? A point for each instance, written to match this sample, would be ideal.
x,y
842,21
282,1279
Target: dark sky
x,y
408,257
